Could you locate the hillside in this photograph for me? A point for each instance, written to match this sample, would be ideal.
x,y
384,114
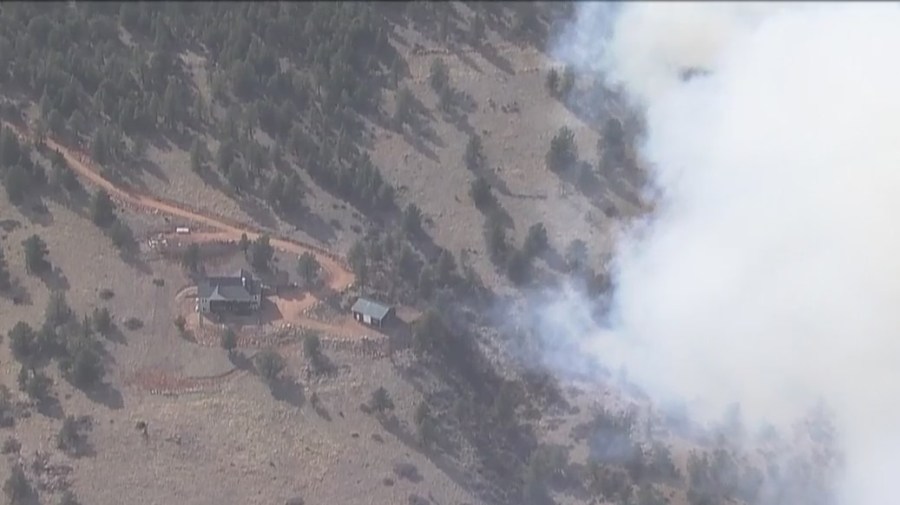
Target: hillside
x,y
428,155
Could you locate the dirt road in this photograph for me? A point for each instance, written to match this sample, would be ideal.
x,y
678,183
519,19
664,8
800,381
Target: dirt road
x,y
339,278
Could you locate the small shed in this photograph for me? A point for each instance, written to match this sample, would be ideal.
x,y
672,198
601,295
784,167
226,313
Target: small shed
x,y
371,312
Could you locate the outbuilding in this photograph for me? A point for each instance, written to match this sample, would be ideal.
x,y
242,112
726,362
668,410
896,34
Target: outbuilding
x,y
371,312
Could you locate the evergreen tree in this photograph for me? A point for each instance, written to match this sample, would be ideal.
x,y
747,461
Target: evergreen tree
x,y
36,255
102,209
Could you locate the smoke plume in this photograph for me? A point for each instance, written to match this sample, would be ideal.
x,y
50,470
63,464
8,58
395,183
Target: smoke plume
x,y
769,271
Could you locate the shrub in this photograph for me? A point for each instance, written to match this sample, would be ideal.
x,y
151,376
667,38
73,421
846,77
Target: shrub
x,y
269,364
412,219
102,320
180,323
480,192
381,401
518,267
36,255
563,151
406,471
308,268
102,209
22,342
228,339
552,82
312,346
34,383
7,409
134,324
121,235
438,75
10,446
474,156
83,367
536,241
69,439
106,294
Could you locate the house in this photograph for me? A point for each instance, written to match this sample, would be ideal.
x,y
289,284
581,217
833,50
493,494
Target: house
x,y
236,294
370,312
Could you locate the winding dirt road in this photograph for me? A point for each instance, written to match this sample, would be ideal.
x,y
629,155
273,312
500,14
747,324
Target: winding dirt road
x,y
338,277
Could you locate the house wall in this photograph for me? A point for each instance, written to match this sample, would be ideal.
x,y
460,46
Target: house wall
x,y
220,307
204,305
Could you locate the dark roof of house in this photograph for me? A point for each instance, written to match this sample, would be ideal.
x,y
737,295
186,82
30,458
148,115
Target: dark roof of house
x,y
239,287
370,308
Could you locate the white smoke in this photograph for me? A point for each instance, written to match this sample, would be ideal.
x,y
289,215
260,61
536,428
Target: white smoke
x,y
769,273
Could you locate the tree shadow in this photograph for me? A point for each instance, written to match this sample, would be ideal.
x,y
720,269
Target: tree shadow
x,y
49,406
55,280
305,220
75,200
320,409
261,214
553,259
130,254
17,293
240,360
122,177
81,446
416,142
36,212
444,463
107,395
115,335
149,167
288,390
490,54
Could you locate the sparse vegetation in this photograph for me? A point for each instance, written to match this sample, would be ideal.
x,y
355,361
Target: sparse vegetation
x,y
17,488
576,254
5,278
68,498
10,446
7,408
71,437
